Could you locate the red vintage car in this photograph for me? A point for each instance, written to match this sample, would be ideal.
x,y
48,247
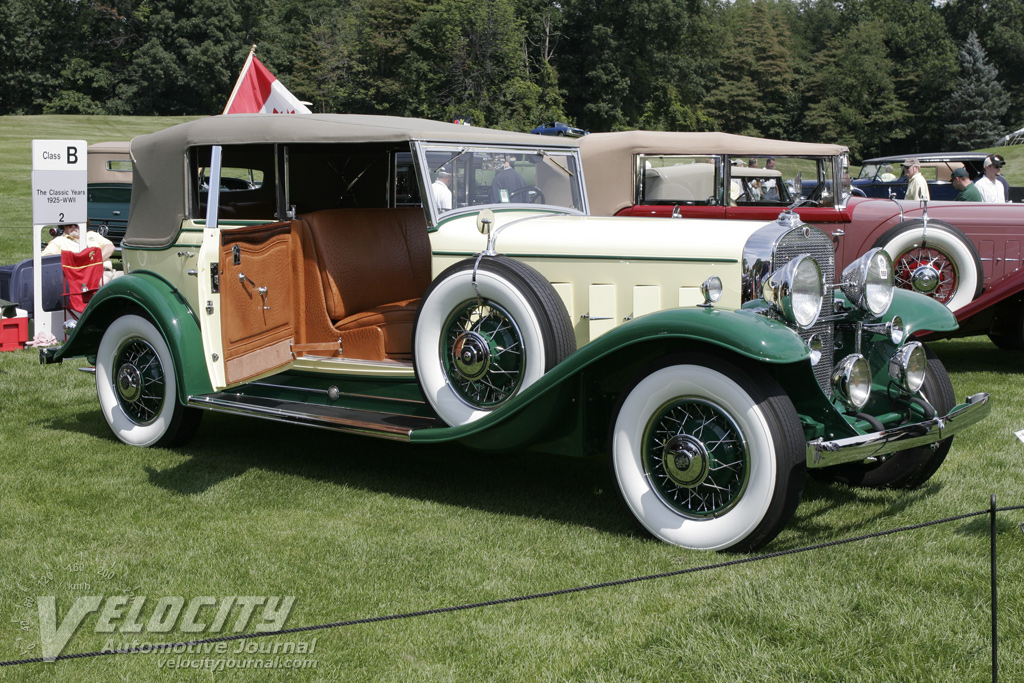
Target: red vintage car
x,y
966,255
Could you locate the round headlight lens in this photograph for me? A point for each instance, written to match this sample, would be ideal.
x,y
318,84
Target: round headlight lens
x,y
868,282
711,289
795,291
878,283
907,366
851,381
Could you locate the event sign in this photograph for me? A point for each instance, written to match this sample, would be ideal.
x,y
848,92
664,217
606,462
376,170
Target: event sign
x,y
60,182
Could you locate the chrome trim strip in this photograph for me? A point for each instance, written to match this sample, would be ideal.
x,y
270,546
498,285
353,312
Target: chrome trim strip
x,y
821,453
391,426
341,394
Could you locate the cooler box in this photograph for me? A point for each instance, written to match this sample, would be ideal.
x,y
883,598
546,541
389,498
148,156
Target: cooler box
x,y
13,333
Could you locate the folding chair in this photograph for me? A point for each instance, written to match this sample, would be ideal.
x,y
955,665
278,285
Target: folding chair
x,y
83,275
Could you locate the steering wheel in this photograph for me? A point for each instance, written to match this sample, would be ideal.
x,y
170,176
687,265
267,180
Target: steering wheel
x,y
531,194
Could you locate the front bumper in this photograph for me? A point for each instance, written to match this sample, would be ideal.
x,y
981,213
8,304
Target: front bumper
x,y
821,453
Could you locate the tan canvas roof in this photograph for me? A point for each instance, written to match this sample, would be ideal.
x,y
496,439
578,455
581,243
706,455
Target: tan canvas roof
x,y
158,200
99,154
608,158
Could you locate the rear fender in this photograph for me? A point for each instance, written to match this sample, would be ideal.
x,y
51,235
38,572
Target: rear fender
x,y
153,297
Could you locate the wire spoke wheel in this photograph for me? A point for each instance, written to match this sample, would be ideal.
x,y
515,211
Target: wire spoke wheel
x,y
486,329
137,388
707,455
695,458
484,353
929,271
935,259
139,381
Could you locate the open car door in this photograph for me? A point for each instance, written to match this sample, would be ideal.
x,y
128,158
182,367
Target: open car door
x,y
248,324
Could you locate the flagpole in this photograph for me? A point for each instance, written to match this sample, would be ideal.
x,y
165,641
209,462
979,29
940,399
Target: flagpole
x,y
241,77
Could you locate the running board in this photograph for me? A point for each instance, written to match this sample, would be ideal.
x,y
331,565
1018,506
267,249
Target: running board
x,y
392,426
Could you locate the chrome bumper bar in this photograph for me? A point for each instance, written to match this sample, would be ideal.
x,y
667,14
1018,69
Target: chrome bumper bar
x,y
821,453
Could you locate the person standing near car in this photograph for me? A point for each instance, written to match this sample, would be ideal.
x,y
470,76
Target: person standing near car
x,y
442,190
917,187
967,189
989,186
506,182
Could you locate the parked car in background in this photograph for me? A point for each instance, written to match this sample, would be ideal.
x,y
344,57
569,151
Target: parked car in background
x,y
964,255
559,129
883,177
711,367
110,189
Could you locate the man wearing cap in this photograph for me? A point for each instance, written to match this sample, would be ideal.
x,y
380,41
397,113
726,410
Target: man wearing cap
x,y
917,188
989,186
962,182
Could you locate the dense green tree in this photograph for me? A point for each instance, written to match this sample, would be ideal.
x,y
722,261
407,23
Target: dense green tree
x,y
756,93
855,107
875,74
924,67
618,55
978,104
999,25
468,61
38,43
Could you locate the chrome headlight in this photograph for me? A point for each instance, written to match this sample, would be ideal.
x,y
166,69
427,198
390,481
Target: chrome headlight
x,y
851,381
795,291
868,282
711,290
907,366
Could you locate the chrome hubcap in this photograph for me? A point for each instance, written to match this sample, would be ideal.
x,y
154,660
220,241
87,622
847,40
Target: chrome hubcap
x,y
925,279
129,383
471,355
687,462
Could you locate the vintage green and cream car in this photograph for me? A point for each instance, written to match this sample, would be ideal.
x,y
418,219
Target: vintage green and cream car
x,y
428,282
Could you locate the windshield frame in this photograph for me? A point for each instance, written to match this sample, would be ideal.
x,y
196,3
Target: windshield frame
x,y
456,152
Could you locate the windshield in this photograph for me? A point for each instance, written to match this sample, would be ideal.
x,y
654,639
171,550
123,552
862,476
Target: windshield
x,y
466,176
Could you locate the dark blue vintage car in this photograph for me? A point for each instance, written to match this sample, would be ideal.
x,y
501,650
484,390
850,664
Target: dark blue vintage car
x,y
883,176
560,129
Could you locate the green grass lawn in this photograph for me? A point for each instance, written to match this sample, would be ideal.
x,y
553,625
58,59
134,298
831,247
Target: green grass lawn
x,y
354,528
357,528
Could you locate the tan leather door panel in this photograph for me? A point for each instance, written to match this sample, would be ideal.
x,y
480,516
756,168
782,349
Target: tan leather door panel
x,y
257,302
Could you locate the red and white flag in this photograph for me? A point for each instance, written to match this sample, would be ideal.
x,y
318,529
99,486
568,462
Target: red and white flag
x,y
259,92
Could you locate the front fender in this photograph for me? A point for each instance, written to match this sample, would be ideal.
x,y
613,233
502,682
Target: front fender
x,y
162,304
745,333
920,313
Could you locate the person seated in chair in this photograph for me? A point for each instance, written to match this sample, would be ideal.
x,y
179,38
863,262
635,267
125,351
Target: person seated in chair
x,y
68,241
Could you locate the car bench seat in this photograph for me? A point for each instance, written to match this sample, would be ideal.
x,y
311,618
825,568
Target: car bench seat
x,y
374,265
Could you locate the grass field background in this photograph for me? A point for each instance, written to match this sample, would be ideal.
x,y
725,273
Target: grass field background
x,y
356,528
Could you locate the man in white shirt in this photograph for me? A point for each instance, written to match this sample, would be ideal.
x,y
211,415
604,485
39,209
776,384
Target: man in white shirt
x,y
442,191
917,188
989,186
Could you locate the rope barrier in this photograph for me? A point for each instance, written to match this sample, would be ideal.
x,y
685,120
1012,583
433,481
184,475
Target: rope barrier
x,y
161,647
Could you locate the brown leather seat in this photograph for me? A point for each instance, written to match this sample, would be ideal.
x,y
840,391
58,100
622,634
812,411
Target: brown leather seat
x,y
374,267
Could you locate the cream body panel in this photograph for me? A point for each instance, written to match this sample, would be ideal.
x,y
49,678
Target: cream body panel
x,y
658,263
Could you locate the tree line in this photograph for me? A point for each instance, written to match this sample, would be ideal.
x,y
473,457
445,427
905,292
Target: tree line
x,y
879,76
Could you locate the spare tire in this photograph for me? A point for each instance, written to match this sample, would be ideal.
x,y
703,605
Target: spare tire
x,y
486,329
940,261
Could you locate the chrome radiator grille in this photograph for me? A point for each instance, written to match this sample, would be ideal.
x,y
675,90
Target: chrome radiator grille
x,y
819,246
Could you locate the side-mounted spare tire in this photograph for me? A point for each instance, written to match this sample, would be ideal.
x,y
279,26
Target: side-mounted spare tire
x,y
940,261
486,329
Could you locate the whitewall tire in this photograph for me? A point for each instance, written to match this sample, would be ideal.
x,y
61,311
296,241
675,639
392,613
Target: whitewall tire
x,y
708,457
940,262
484,333
137,388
